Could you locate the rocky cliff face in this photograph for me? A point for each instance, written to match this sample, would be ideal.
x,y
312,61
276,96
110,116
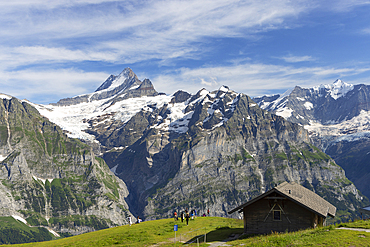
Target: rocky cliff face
x,y
50,179
222,151
337,118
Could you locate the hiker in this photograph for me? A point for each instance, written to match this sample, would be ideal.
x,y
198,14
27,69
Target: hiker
x,y
182,217
192,214
175,215
138,220
207,212
187,217
195,213
129,220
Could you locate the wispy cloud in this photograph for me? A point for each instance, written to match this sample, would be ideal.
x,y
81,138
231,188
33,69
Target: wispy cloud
x,y
37,35
344,5
252,79
135,32
11,58
365,30
56,84
297,59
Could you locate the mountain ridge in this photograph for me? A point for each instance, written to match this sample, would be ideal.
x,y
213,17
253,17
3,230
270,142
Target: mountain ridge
x,y
338,125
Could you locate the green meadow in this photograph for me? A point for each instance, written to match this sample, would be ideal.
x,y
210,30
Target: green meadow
x,y
215,229
148,233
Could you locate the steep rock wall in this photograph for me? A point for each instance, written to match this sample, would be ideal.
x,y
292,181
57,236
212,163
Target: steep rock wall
x,y
47,177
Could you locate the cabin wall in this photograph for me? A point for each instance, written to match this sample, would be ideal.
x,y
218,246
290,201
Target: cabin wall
x,y
299,217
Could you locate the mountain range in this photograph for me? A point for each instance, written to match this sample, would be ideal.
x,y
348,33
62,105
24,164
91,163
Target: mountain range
x,y
211,150
338,120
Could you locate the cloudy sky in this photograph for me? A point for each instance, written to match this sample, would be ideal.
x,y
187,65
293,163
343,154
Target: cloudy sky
x,y
55,49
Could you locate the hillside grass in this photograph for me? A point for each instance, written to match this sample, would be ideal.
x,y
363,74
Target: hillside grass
x,y
161,233
149,233
14,231
323,236
13,223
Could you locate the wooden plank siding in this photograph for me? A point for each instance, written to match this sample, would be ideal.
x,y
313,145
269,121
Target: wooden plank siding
x,y
294,206
258,218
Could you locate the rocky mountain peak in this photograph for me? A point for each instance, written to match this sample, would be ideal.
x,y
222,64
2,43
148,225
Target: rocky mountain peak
x,y
338,82
113,81
125,85
180,97
146,84
127,73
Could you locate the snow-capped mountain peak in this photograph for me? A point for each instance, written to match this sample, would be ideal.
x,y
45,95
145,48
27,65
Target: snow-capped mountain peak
x,y
113,82
122,77
115,88
224,89
337,89
5,96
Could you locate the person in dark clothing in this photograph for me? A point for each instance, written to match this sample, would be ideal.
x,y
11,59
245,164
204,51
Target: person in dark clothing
x,y
187,216
182,217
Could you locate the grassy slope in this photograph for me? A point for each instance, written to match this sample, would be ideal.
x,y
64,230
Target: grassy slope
x,y
12,223
218,229
12,230
152,232
325,236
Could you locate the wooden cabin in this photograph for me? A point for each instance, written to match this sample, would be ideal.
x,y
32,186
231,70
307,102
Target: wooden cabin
x,y
365,212
287,207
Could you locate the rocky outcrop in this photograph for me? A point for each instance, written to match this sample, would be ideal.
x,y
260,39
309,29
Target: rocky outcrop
x,y
46,177
353,156
180,97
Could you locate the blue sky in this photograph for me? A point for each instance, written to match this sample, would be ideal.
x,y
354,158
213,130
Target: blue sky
x,y
55,49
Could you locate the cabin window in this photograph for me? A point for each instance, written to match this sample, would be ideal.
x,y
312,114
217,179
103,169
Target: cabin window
x,y
277,215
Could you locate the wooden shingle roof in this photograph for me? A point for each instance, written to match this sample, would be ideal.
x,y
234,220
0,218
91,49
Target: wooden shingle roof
x,y
300,195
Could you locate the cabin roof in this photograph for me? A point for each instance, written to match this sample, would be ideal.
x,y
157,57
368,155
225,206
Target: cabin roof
x,y
300,195
365,210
